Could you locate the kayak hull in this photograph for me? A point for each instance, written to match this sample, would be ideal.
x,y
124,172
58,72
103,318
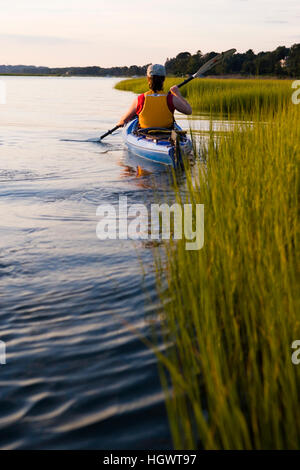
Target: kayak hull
x,y
161,152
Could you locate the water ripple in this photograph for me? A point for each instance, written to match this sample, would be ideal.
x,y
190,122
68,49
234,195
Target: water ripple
x,y
77,374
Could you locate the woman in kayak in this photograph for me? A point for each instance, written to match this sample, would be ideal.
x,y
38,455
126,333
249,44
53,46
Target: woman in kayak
x,y
156,108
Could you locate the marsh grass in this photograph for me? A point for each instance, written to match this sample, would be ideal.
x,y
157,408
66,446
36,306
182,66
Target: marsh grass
x,y
231,310
225,95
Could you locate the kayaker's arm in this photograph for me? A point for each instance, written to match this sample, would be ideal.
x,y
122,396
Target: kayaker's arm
x,y
129,115
181,104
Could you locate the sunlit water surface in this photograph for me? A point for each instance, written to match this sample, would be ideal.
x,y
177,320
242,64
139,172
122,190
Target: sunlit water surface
x,y
76,375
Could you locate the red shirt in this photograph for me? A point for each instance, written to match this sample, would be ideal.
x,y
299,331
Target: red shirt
x,y
141,101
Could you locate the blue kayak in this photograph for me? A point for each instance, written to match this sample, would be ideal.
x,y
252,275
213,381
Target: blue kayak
x,y
156,145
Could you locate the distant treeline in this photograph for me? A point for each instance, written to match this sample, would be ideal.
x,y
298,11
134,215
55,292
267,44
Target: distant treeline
x,y
282,62
74,71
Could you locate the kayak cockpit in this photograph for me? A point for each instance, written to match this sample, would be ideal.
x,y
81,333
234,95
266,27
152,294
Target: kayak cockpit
x,y
160,145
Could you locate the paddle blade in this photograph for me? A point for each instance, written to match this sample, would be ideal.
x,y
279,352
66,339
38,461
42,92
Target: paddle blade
x,y
214,61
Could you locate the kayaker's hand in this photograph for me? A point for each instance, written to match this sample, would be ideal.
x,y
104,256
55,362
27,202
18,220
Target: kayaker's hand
x,y
175,91
121,123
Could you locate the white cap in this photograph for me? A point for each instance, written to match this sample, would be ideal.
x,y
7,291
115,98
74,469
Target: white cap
x,y
156,69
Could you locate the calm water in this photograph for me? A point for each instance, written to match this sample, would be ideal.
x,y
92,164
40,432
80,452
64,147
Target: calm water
x,y
76,376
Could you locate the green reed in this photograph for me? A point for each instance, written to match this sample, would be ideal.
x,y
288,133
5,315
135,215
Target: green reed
x,y
225,95
231,310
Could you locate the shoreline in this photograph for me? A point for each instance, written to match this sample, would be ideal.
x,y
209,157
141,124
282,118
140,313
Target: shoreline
x,y
212,77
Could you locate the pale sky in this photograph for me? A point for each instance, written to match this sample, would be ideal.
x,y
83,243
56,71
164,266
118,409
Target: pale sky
x,y
126,32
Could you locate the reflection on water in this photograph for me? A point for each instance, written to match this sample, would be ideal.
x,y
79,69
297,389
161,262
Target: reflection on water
x,y
77,376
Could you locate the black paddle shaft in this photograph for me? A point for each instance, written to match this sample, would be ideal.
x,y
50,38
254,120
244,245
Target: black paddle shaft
x,y
109,132
186,81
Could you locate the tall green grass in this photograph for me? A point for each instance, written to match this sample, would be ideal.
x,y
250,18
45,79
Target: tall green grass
x,y
231,309
225,95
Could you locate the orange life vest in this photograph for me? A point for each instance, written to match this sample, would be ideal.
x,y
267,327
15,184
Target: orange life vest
x,y
155,112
